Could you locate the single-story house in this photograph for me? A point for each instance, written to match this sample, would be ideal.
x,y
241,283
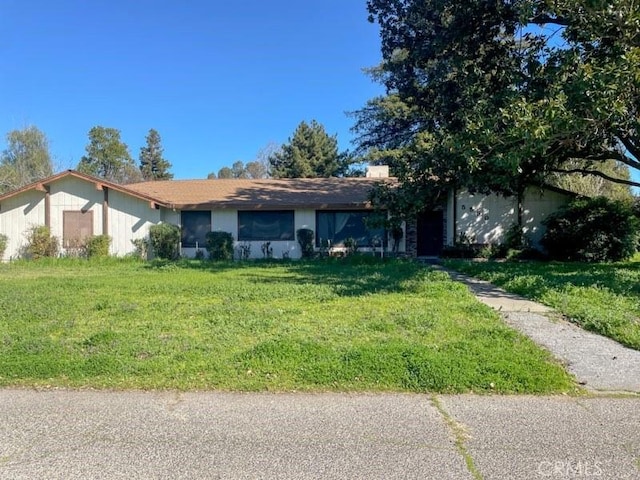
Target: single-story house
x,y
76,206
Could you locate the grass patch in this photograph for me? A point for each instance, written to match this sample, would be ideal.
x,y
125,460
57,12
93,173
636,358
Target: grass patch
x,y
604,298
282,326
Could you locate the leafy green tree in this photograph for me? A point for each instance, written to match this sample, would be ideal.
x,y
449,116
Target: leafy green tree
x,y
237,170
108,157
595,186
310,153
152,164
495,95
25,160
225,172
211,176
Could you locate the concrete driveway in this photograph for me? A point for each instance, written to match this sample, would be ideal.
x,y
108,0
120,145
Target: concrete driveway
x,y
58,434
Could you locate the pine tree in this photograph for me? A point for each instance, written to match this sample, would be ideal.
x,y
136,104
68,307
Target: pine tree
x,y
152,165
310,153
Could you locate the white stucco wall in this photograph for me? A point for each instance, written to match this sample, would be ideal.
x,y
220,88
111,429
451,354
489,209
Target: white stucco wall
x,y
226,220
484,218
17,215
537,205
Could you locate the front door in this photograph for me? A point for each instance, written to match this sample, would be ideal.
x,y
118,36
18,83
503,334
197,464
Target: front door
x,y
430,233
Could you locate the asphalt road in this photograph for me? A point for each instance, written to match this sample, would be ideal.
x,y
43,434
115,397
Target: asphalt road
x,y
58,434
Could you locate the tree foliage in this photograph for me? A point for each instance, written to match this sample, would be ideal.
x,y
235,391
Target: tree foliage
x,y
310,153
153,165
25,160
108,157
492,95
592,230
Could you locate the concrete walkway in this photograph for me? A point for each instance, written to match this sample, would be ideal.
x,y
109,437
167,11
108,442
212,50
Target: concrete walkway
x,y
59,434
597,362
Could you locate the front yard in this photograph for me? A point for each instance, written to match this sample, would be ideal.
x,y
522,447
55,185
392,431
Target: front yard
x,y
327,326
602,297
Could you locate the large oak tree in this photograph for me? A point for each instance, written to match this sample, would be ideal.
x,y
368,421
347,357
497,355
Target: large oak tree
x,y
492,95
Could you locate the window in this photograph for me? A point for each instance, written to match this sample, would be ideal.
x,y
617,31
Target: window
x,y
195,226
264,226
77,226
337,226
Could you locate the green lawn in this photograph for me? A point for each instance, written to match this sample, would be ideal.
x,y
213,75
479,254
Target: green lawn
x,y
333,325
604,298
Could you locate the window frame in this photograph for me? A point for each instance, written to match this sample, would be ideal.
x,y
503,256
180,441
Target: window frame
x,y
189,238
371,233
285,235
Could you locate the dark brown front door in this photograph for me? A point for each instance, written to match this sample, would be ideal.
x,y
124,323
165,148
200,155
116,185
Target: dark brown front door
x,y
430,233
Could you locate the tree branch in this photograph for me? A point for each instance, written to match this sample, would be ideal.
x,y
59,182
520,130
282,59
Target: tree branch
x,y
597,173
544,18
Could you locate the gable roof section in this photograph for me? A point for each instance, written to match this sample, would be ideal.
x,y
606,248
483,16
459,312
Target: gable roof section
x,y
267,194
99,183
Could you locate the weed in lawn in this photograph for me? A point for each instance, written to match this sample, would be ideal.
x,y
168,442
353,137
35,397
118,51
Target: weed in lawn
x,y
604,298
340,324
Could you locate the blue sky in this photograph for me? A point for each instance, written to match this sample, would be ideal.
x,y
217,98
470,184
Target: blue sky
x,y
219,80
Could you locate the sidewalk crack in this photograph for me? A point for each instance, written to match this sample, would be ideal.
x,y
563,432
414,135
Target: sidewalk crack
x,y
460,435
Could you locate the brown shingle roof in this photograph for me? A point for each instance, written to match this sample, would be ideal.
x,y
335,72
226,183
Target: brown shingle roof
x,y
100,183
317,193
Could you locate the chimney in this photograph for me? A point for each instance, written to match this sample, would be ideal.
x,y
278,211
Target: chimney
x,y
377,171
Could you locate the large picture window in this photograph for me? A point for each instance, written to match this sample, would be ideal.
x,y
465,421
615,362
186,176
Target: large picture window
x,y
266,225
195,226
337,226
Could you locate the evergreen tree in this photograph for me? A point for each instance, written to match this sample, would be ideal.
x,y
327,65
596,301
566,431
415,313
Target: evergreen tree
x,y
310,153
152,165
108,157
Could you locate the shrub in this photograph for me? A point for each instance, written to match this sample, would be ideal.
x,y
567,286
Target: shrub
x,y
267,250
220,245
40,243
164,239
351,245
305,237
592,230
98,246
4,240
141,248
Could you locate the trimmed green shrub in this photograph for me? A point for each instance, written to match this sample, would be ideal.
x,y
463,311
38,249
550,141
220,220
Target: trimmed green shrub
x,y
40,243
164,239
592,230
98,246
4,240
220,245
305,237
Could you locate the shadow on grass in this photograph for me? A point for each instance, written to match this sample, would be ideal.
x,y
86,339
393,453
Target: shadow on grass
x,y
351,276
535,278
